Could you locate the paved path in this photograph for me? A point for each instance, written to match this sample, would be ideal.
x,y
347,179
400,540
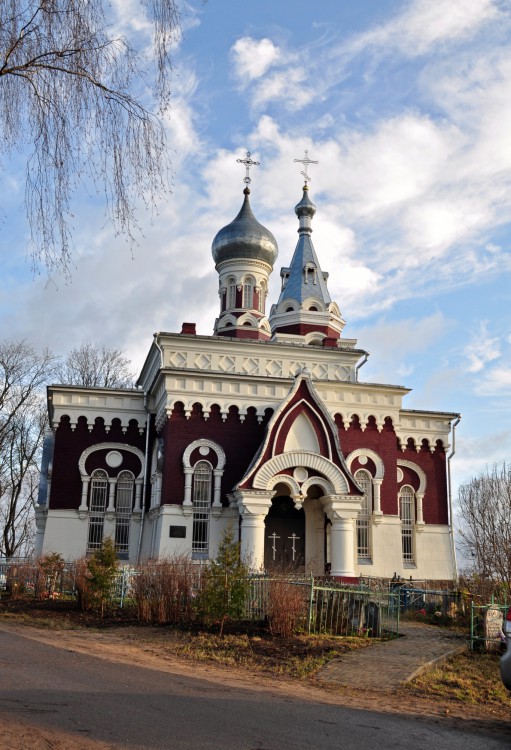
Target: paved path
x,y
387,665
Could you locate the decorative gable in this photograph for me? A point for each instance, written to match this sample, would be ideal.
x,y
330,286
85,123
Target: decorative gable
x,y
301,427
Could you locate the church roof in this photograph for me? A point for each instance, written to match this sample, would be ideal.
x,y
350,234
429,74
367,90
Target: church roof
x,y
300,284
245,238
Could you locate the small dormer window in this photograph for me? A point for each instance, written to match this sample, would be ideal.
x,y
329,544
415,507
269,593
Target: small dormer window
x,y
310,274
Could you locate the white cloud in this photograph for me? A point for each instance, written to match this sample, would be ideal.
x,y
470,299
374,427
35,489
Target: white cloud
x,y
482,349
252,58
497,382
426,24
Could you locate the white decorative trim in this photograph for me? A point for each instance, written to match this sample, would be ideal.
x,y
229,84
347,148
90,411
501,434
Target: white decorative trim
x,y
368,453
311,481
418,471
287,480
279,463
112,446
203,442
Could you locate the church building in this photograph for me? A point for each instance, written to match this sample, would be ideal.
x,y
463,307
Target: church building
x,y
264,427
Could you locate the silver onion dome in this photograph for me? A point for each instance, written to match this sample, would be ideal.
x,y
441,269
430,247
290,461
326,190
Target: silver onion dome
x,y
245,237
305,207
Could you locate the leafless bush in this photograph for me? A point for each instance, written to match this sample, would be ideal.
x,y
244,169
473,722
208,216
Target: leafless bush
x,y
20,579
164,591
286,607
49,572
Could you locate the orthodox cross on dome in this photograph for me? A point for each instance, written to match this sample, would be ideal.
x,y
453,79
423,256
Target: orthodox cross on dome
x,y
248,162
305,161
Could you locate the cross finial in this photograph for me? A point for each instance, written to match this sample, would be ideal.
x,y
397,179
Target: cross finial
x,y
306,161
248,162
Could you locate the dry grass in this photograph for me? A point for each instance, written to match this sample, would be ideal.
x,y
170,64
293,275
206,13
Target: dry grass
x,y
298,656
469,678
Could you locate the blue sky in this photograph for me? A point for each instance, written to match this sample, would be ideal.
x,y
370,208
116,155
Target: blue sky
x,y
407,107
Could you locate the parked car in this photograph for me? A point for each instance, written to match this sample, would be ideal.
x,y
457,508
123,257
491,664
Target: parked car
x,y
505,659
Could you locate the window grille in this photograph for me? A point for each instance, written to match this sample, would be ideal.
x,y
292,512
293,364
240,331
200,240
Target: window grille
x,y
97,507
248,294
123,508
406,512
201,509
231,294
364,517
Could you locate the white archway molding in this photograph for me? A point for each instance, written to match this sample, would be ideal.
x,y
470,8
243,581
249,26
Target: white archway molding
x,y
113,447
378,477
292,459
420,473
112,481
287,480
314,336
217,473
204,443
375,458
320,482
419,494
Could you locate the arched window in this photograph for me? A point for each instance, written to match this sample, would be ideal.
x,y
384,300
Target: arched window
x,y
201,499
262,296
248,293
365,483
123,509
97,508
231,293
407,515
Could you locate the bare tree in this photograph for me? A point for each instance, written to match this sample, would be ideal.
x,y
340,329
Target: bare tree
x,y
23,373
485,510
72,91
91,365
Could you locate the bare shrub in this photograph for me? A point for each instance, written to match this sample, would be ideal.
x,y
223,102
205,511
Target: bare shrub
x,y
164,591
20,580
48,582
286,607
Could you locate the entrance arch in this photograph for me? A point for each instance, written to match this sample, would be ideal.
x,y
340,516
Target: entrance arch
x,y
284,533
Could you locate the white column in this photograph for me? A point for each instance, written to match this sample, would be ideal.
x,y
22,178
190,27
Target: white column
x,y
342,536
377,497
138,495
85,490
420,516
187,502
342,511
217,478
253,506
252,540
111,495
314,537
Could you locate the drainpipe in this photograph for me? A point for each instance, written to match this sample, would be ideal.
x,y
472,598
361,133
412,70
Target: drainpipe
x,y
449,493
361,364
144,488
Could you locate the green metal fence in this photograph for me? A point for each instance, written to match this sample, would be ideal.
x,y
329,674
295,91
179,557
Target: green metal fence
x,y
326,607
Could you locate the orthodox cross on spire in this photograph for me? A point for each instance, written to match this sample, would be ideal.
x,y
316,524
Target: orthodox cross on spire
x,y
305,161
247,161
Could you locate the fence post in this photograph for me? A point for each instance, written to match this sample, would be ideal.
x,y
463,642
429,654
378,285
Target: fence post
x,y
472,625
311,603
